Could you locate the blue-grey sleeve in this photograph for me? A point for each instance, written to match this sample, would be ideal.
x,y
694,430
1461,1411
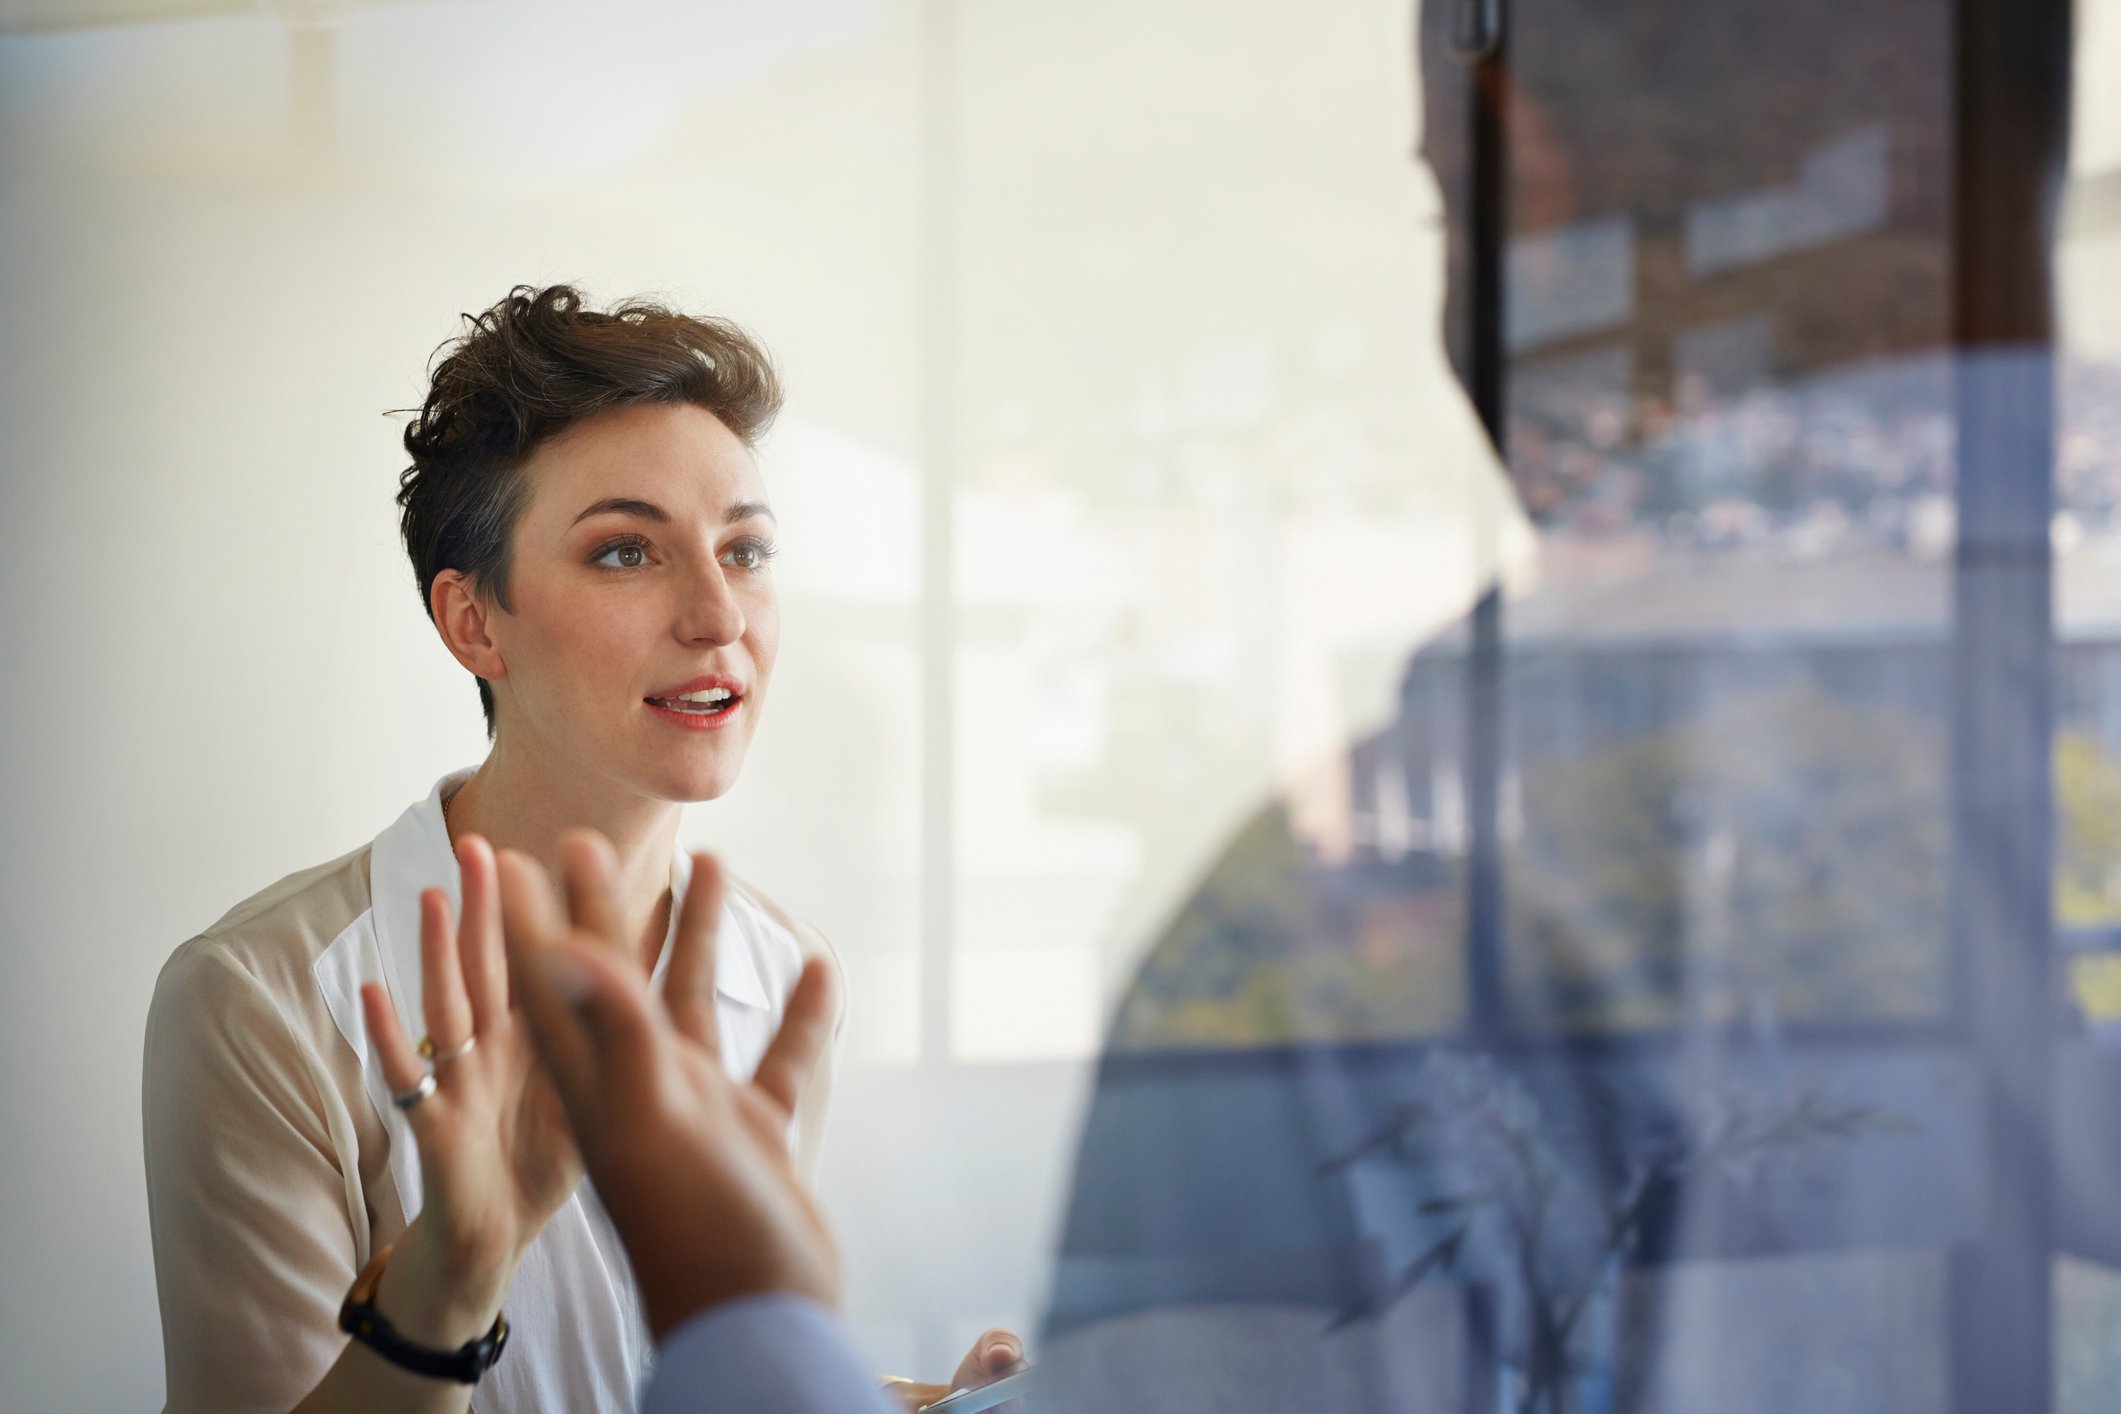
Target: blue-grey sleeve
x,y
762,1355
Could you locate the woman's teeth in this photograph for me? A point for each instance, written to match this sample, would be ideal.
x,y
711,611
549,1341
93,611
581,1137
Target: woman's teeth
x,y
714,699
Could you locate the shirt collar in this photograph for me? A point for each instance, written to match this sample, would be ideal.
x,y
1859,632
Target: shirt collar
x,y
414,854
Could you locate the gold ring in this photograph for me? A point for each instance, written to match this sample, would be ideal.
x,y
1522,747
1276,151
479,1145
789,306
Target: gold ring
x,y
428,1051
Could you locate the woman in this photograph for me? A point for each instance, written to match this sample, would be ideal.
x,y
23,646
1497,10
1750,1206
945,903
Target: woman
x,y
592,542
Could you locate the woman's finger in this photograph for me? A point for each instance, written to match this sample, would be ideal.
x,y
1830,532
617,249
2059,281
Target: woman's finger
x,y
442,999
479,933
688,987
806,1028
591,873
402,1067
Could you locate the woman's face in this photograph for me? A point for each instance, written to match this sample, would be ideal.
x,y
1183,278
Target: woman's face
x,y
643,623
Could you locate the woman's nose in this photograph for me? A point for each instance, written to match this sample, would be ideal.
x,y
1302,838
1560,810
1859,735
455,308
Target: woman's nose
x,y
710,612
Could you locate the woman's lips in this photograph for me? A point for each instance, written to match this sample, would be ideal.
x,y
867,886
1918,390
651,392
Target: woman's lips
x,y
705,710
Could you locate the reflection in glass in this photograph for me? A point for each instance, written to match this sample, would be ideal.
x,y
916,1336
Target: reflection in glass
x,y
1732,791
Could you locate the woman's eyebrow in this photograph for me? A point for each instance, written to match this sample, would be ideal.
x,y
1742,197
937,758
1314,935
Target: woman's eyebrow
x,y
650,511
626,506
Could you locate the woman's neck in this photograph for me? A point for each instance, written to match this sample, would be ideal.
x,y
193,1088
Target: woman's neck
x,y
516,805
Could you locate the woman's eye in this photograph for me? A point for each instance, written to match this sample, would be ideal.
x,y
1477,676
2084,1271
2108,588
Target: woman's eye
x,y
626,557
747,555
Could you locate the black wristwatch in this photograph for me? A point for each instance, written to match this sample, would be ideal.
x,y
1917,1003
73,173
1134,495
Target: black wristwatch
x,y
359,1318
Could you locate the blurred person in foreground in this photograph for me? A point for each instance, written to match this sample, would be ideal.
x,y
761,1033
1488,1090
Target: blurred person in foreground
x,y
592,541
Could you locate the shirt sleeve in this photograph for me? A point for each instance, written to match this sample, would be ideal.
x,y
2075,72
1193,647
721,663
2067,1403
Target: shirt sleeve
x,y
247,1197
762,1355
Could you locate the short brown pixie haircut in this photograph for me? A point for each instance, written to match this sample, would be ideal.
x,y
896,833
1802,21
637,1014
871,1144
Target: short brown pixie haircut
x,y
529,368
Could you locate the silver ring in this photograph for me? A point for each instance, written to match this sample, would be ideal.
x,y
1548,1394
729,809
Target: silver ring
x,y
427,1048
406,1099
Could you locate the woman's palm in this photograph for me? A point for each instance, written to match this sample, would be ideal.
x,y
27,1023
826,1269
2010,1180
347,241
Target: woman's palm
x,y
510,1161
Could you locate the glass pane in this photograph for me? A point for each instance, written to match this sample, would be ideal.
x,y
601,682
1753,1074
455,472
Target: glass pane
x,y
1215,479
1691,791
2088,535
1729,413
2087,747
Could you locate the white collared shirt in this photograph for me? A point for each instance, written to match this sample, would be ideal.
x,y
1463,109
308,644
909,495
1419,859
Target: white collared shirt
x,y
277,1163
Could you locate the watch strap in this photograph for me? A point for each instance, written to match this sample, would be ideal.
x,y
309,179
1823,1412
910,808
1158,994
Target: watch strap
x,y
359,1318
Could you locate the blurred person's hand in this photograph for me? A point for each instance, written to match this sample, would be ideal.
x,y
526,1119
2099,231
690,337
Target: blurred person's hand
x,y
693,1167
496,1155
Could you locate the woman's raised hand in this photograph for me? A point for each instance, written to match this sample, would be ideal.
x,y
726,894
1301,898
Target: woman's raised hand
x,y
496,1155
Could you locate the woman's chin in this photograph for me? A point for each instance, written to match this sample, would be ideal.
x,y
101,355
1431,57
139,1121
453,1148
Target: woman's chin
x,y
694,767
693,783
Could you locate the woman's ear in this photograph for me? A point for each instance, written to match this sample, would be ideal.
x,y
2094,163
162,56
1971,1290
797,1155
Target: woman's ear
x,y
463,617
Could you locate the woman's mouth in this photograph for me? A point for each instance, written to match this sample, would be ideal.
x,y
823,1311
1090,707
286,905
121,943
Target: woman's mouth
x,y
705,709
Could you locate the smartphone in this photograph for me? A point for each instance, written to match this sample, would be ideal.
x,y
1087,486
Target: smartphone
x,y
976,1401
